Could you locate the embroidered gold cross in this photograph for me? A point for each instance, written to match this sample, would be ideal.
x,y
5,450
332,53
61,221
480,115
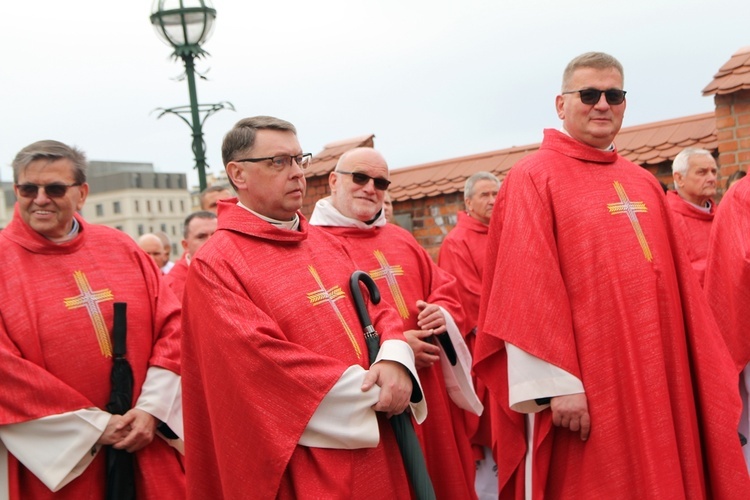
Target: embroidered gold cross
x,y
90,300
631,208
330,296
389,273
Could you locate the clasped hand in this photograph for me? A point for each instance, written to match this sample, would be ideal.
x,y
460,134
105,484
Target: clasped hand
x,y
131,432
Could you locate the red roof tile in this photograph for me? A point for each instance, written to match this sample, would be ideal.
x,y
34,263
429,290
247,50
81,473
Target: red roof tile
x,y
733,76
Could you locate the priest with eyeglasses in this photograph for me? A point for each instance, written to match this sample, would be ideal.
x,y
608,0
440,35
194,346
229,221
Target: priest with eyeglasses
x,y
61,280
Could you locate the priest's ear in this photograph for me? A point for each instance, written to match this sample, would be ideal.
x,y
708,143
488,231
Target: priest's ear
x,y
83,191
332,180
678,178
237,175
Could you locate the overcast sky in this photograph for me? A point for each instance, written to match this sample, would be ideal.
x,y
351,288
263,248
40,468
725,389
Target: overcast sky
x,y
431,79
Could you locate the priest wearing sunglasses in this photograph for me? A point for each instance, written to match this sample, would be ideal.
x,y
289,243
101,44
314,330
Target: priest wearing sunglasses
x,y
427,300
60,278
609,375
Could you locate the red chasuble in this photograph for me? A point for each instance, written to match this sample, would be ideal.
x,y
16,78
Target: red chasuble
x,y
55,347
405,273
462,254
728,271
694,227
177,276
584,272
269,327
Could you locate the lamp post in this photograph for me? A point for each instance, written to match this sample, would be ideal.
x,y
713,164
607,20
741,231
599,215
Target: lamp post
x,y
186,25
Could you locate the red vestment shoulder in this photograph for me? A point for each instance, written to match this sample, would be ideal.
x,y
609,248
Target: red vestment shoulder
x,y
583,271
462,254
55,346
269,327
694,228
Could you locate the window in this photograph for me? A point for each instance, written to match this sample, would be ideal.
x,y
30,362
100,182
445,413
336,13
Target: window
x,y
140,230
163,228
148,206
119,228
158,205
182,206
116,207
137,206
171,206
99,210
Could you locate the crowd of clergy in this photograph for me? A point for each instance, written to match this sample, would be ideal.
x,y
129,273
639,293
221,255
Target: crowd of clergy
x,y
581,335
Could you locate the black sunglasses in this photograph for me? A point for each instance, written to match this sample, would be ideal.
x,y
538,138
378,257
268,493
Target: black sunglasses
x,y
51,190
592,96
362,179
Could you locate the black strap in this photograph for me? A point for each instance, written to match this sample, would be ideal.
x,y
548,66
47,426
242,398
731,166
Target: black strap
x,y
119,329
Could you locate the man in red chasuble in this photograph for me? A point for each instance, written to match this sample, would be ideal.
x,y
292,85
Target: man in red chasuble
x,y
594,326
59,279
694,172
427,300
198,228
280,398
462,255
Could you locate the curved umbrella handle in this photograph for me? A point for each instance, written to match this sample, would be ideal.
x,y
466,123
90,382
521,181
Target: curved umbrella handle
x,y
359,301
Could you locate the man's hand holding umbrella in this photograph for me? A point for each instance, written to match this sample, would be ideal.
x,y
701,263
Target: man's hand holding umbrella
x,y
395,386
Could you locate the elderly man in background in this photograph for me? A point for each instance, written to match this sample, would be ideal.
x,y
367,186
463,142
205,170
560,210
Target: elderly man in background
x,y
166,243
694,173
152,245
199,227
462,255
427,300
60,278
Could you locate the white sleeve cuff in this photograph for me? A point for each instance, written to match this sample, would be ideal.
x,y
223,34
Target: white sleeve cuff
x,y
531,378
458,379
161,396
400,352
344,418
56,448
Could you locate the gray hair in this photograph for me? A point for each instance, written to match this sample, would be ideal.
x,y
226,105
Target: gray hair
x,y
596,60
680,164
51,151
479,176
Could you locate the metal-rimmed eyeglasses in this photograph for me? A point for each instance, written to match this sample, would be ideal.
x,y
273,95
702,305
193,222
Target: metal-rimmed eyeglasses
x,y
592,96
282,162
54,190
362,179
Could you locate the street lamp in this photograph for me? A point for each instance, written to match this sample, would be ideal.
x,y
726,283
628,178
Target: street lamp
x,y
186,25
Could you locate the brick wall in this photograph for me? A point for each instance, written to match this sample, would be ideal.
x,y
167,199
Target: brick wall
x,y
317,188
733,133
431,218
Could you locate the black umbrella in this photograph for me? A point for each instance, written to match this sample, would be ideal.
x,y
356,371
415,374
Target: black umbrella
x,y
411,451
120,463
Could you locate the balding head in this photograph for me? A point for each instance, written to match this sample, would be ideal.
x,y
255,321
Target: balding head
x,y
354,192
152,245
